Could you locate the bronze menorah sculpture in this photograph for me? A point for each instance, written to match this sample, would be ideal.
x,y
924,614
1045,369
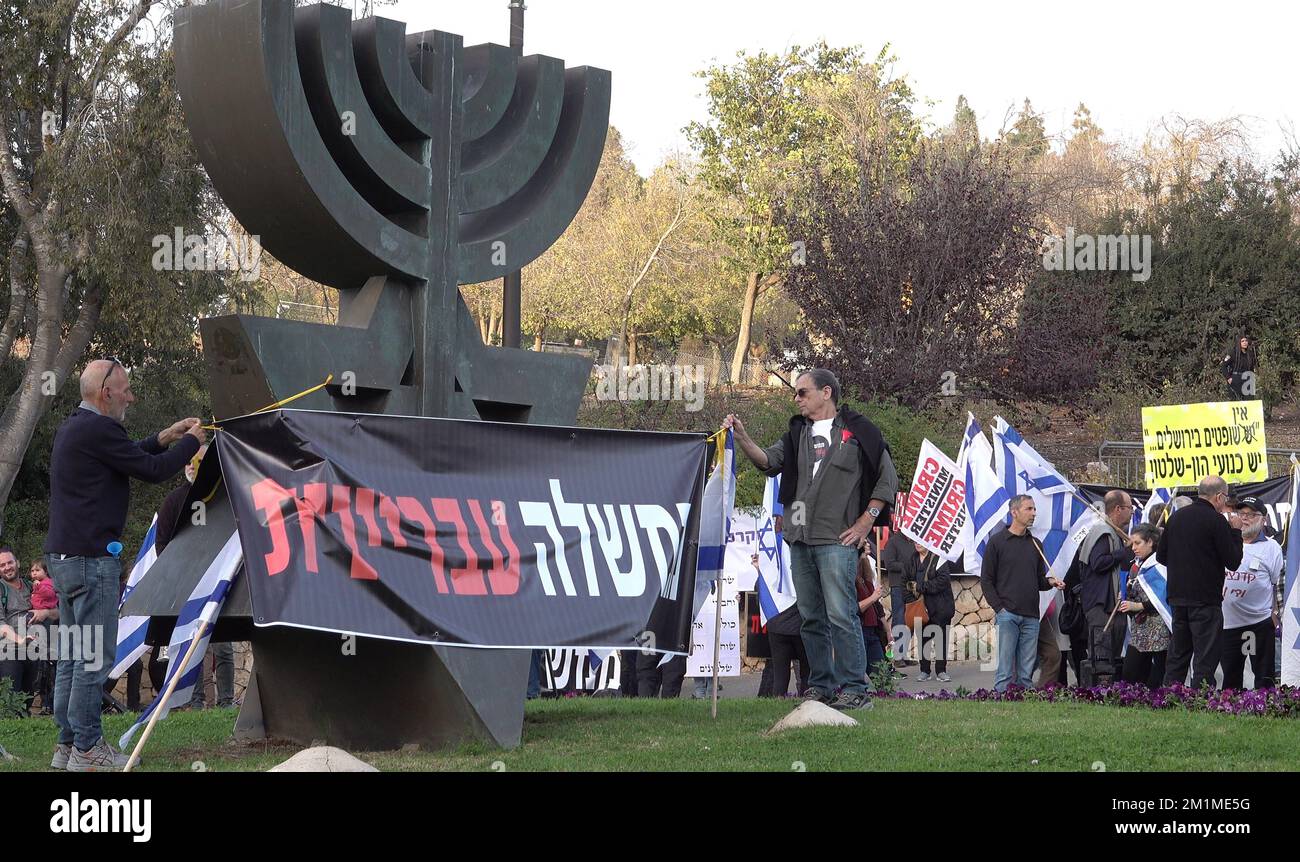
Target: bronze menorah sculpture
x,y
394,168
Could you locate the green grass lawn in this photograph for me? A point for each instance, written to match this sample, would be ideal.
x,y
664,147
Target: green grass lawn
x,y
640,735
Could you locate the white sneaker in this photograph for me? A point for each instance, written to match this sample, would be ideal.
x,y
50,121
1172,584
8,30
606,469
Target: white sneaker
x,y
943,677
922,677
62,751
102,757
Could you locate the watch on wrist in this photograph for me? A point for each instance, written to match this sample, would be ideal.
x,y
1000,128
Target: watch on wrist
x,y
874,512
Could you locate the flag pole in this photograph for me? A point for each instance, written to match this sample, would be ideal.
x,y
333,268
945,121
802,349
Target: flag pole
x,y
1286,528
717,639
1112,615
171,687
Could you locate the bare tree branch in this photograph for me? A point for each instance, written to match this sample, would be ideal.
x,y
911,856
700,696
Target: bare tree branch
x,y
85,101
17,294
13,186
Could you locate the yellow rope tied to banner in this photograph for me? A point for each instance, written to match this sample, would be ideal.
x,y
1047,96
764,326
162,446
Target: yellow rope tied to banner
x,y
283,401
719,439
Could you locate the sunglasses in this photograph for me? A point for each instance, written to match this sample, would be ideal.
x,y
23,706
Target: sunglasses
x,y
116,363
803,393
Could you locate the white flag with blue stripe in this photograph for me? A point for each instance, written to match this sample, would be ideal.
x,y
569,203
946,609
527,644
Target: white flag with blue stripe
x,y
201,609
1154,579
1291,601
1063,519
986,498
715,518
132,630
774,584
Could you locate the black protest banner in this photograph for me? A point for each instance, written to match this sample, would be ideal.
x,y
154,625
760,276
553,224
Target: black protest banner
x,y
1274,493
466,533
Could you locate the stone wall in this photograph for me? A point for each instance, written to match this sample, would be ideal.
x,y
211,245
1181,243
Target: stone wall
x,y
972,619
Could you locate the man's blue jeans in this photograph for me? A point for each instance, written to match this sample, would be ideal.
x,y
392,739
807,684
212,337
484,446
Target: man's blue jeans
x,y
1018,648
88,589
824,577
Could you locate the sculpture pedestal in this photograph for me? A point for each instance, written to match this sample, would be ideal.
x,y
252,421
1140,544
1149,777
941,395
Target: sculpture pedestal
x,y
307,689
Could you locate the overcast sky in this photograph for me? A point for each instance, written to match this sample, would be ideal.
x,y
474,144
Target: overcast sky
x,y
1131,62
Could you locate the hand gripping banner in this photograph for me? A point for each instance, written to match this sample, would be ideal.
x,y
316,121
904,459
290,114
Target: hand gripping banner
x,y
457,532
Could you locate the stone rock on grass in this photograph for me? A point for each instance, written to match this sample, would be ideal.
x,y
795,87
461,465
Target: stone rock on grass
x,y
810,713
323,758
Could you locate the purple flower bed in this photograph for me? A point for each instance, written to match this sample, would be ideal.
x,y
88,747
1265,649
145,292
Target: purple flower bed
x,y
1283,702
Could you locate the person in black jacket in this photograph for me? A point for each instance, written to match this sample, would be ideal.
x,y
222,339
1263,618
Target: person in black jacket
x,y
1238,368
900,561
1197,547
934,582
837,479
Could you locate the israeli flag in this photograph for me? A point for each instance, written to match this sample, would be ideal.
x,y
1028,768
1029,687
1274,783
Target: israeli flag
x,y
986,498
132,630
1154,579
1291,603
1063,519
199,612
1158,495
715,519
774,585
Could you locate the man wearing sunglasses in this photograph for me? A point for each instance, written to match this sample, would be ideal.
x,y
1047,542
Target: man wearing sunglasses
x,y
836,480
91,467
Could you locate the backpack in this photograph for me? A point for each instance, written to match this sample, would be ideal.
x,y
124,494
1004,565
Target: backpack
x,y
1070,618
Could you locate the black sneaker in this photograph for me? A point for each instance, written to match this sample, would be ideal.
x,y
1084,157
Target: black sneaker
x,y
816,694
845,701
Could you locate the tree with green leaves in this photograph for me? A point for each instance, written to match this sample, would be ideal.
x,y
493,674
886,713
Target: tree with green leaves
x,y
95,164
965,127
767,122
1026,141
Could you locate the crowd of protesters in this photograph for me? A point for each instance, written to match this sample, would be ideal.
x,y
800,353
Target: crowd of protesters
x,y
1224,595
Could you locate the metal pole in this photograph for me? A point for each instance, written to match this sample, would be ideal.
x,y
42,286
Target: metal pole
x,y
512,283
717,638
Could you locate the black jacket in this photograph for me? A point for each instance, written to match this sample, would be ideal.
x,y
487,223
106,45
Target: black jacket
x,y
871,448
169,516
788,622
1196,547
1238,360
935,582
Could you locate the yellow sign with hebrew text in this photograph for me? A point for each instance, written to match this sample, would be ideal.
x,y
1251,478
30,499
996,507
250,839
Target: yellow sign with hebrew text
x,y
1184,443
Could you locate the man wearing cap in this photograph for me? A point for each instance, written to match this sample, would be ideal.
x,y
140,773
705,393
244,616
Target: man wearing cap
x,y
91,465
1250,612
